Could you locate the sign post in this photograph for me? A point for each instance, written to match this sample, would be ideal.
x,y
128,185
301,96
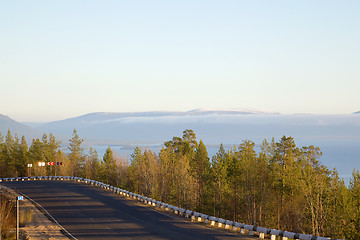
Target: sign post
x,y
19,198
41,164
29,169
55,164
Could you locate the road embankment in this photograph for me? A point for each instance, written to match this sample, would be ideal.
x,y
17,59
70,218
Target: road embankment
x,y
34,225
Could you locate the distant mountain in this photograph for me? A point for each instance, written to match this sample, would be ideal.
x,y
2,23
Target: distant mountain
x,y
6,123
357,112
101,116
234,111
152,126
212,126
34,124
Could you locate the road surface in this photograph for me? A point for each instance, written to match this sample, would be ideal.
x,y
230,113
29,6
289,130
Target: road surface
x,y
89,212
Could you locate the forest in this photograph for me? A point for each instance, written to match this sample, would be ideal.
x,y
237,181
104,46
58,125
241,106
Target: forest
x,y
280,186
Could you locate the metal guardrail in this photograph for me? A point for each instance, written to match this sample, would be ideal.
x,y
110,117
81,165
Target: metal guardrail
x,y
194,216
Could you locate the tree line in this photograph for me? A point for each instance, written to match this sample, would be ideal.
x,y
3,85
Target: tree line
x,y
281,186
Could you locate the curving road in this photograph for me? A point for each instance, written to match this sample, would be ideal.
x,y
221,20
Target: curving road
x,y
89,212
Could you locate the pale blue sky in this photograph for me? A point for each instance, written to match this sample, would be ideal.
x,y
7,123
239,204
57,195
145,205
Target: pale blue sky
x,y
61,59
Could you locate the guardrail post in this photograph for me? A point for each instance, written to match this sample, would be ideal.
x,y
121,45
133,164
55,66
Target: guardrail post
x,y
219,224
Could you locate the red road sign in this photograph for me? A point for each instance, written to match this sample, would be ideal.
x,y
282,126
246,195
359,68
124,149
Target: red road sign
x,y
54,163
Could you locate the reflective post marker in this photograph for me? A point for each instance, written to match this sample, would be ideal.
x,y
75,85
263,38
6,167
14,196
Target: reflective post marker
x,y
19,198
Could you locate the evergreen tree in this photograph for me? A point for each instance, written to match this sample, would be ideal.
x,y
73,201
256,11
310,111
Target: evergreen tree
x,y
264,187
92,166
9,158
334,212
189,143
109,167
3,167
234,176
136,170
314,181
50,147
76,156
199,168
250,181
22,157
150,165
66,168
36,155
167,184
284,170
219,181
352,231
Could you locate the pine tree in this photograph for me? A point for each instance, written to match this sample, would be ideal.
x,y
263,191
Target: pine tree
x,y
76,156
50,147
199,168
314,180
189,141
22,158
2,156
353,215
9,157
250,181
334,211
219,181
284,172
264,174
168,163
109,167
66,168
136,171
92,166
36,155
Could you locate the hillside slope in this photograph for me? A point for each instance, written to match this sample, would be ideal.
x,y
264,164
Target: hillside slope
x,y
6,123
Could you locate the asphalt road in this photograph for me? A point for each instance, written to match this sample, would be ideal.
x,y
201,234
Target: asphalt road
x,y
89,212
